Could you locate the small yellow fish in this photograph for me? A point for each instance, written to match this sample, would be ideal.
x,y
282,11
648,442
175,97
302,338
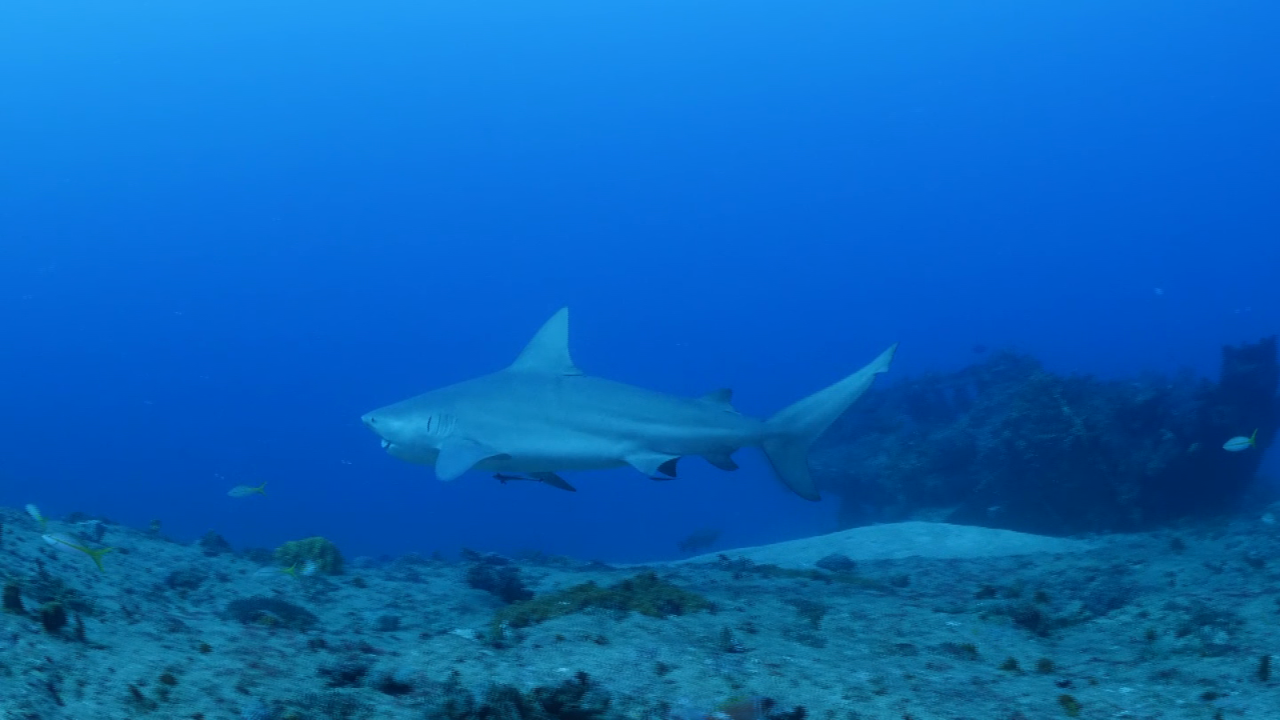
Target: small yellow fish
x,y
1240,442
240,491
35,514
64,543
270,571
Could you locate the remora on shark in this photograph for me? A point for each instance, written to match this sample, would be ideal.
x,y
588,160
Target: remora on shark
x,y
542,415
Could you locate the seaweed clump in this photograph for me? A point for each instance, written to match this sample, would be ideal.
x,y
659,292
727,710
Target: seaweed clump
x,y
1007,443
496,575
322,552
43,588
645,593
579,698
271,612
13,598
740,567
53,617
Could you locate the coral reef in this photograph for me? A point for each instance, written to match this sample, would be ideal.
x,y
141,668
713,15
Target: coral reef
x,y
497,575
1006,443
270,612
314,549
1135,625
578,698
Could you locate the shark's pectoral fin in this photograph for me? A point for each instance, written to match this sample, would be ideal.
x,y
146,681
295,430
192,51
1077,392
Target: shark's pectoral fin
x,y
721,460
654,464
458,455
553,480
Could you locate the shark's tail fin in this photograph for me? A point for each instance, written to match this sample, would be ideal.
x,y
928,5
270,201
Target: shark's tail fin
x,y
788,435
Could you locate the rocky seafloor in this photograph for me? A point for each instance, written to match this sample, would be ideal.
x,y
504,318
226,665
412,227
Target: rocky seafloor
x,y
1161,625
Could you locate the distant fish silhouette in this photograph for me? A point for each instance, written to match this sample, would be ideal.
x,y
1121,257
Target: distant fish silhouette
x,y
244,491
699,540
979,349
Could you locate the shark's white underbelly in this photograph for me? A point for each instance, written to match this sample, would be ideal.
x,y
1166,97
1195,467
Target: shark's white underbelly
x,y
540,450
536,424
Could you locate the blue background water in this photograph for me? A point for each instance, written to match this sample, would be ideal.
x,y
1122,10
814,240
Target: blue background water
x,y
228,229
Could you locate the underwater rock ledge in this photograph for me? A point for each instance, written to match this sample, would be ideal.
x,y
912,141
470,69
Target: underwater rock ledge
x,y
1007,444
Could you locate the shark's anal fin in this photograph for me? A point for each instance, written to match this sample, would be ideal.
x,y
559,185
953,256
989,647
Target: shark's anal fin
x,y
653,464
459,454
721,460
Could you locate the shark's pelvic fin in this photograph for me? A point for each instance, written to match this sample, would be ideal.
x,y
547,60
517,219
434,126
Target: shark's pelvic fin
x,y
789,434
459,454
548,351
653,464
721,460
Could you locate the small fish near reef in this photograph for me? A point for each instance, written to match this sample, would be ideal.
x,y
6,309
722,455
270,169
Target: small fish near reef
x,y
35,514
699,540
66,544
244,491
309,569
748,708
1240,442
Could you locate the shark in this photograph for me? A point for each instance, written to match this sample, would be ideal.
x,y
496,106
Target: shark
x,y
541,416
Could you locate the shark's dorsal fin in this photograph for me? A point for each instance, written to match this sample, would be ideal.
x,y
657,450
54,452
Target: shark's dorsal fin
x,y
723,396
720,397
548,352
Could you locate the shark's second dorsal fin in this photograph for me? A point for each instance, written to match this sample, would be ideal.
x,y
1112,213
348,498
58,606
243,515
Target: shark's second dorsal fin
x,y
548,351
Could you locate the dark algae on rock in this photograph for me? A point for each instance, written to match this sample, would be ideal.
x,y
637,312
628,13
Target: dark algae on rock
x,y
1006,443
644,593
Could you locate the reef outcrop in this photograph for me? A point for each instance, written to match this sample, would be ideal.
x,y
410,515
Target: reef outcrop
x,y
1006,443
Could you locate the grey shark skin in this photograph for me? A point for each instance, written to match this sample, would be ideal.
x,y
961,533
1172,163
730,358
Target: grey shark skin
x,y
543,415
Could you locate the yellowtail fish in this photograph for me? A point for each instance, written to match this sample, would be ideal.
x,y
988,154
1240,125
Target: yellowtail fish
x,y
241,491
308,569
34,512
1240,442
748,708
66,544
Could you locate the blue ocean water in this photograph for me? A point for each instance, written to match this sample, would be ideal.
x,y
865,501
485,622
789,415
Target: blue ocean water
x,y
228,230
